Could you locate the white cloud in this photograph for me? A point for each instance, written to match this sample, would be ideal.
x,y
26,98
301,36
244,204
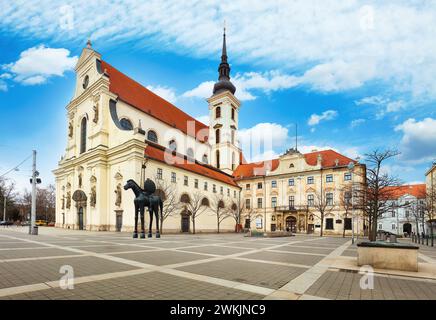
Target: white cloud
x,y
36,65
418,143
262,140
168,94
356,122
325,116
203,119
203,90
383,105
247,83
334,45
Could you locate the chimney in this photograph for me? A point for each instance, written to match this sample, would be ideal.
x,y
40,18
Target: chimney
x,y
336,162
319,159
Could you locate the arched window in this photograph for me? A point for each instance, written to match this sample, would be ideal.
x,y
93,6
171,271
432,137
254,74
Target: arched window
x,y
173,145
218,159
190,153
221,204
205,159
185,198
83,135
234,207
126,124
152,136
217,135
218,112
205,202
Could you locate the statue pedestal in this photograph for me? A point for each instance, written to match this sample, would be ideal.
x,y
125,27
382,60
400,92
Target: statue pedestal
x,y
386,255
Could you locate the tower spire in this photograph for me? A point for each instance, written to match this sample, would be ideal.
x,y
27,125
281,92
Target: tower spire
x,y
224,83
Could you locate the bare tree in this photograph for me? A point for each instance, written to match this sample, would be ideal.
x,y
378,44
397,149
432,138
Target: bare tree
x,y
8,196
171,204
322,207
429,209
248,213
345,200
380,190
220,209
196,206
235,212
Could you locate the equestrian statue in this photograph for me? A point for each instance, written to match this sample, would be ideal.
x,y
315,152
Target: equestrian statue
x,y
145,198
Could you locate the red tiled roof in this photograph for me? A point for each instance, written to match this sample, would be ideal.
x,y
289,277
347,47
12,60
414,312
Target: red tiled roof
x,y
143,99
255,169
157,153
328,158
416,190
258,169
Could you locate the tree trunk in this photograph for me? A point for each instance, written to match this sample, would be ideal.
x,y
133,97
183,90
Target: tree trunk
x,y
218,224
322,225
373,230
193,226
431,232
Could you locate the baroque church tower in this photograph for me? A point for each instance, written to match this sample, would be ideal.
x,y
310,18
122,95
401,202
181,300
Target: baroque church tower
x,y
223,119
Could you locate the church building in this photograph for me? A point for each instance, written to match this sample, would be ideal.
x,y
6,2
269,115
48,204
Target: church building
x,y
120,130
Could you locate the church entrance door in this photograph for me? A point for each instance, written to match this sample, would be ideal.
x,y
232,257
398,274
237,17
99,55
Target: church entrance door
x,y
291,224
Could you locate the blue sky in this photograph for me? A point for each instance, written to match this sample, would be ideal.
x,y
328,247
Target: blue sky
x,y
354,76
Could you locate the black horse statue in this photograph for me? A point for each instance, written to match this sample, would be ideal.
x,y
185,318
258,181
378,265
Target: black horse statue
x,y
145,198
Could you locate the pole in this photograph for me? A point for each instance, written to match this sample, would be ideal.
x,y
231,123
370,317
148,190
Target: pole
x,y
33,211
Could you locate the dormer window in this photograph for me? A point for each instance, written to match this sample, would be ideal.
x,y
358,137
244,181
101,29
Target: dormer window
x,y
85,82
173,145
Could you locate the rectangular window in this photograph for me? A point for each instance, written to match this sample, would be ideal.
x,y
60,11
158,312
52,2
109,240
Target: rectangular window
x,y
205,186
247,224
259,203
329,224
380,226
247,204
393,214
185,180
159,173
347,197
274,202
234,194
310,200
228,192
291,182
214,188
347,176
329,199
394,226
259,185
347,223
407,213
329,178
196,183
310,180
248,186
274,184
221,190
173,177
291,201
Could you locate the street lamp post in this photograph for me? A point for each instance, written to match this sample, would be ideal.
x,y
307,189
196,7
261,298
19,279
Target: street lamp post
x,y
350,168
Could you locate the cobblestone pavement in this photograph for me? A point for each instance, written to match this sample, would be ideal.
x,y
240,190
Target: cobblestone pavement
x,y
109,265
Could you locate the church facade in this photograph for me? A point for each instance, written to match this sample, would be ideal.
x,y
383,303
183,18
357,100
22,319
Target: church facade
x,y
120,130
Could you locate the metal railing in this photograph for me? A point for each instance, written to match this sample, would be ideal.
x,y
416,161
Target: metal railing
x,y
290,208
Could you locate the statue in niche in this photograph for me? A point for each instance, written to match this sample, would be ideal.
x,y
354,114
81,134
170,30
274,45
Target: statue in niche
x,y
63,202
93,198
80,180
95,113
70,129
118,195
68,199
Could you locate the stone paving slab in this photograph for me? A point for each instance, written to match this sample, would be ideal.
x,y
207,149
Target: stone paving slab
x,y
215,250
42,252
19,273
259,274
309,250
161,258
18,245
113,248
285,257
343,285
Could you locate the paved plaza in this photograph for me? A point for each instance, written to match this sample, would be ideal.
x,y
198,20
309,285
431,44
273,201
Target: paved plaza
x,y
110,265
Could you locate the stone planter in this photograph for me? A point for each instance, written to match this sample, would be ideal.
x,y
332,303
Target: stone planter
x,y
385,255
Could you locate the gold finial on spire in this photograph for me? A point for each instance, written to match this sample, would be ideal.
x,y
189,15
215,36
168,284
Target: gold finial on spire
x,y
88,44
